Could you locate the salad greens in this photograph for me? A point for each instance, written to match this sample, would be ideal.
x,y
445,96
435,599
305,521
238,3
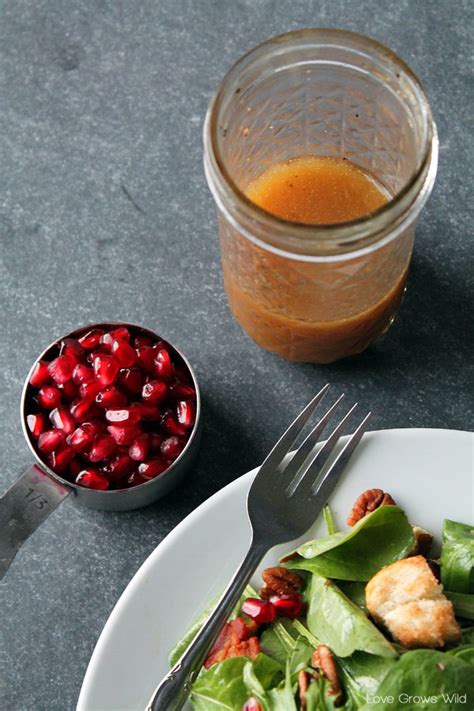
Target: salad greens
x,y
432,680
373,671
457,557
342,625
463,604
378,539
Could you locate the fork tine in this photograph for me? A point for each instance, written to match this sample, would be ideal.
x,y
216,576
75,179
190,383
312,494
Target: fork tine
x,y
320,489
304,479
324,488
283,446
308,450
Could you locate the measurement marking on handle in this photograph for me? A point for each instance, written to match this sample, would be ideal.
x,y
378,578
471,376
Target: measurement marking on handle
x,y
35,497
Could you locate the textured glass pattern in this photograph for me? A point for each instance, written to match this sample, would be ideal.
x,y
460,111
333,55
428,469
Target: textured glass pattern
x,y
313,95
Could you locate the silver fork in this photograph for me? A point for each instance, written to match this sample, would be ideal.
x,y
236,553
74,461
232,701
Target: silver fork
x,y
283,502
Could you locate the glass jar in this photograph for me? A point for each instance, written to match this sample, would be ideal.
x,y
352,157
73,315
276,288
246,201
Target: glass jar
x,y
318,293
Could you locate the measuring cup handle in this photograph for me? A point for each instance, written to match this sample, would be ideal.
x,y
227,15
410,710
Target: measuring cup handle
x,y
23,508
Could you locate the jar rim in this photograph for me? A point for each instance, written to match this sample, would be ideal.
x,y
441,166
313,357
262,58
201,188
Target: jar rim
x,y
354,234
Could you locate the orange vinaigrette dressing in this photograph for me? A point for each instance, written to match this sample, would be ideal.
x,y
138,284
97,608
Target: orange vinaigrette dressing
x,y
317,191
312,190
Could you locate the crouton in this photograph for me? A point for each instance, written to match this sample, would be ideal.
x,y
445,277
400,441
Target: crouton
x,y
409,601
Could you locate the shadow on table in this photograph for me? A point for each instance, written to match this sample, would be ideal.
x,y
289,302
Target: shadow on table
x,y
432,331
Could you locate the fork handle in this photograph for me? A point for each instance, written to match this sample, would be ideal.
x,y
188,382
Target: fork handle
x,y
174,689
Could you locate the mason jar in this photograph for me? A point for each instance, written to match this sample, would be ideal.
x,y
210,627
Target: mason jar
x,y
310,292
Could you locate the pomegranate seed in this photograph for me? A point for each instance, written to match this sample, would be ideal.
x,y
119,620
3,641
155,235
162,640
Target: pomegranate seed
x,y
82,374
139,448
163,364
181,390
70,390
92,479
124,353
74,468
252,705
154,391
37,424
172,447
49,397
123,434
60,460
135,479
261,611
120,334
40,374
119,467
185,412
89,391
288,605
106,342
60,369
111,397
50,440
82,438
173,427
72,349
140,341
96,426
151,468
126,416
155,441
91,339
131,380
80,409
146,358
148,412
62,420
103,448
106,369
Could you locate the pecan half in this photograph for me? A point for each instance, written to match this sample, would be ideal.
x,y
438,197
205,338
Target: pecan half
x,y
367,502
322,659
303,683
280,581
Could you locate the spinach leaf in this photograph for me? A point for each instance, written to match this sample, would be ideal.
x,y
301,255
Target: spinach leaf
x,y
467,635
267,671
342,625
280,643
457,557
363,673
380,538
360,673
463,604
224,685
221,687
354,590
432,679
317,698
465,652
184,643
329,520
283,698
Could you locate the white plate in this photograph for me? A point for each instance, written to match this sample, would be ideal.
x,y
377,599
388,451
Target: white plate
x,y
428,472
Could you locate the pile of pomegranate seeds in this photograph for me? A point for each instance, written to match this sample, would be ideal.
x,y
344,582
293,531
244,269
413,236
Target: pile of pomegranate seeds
x,y
112,410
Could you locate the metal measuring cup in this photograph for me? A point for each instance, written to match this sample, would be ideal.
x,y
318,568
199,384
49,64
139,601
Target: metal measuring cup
x,y
39,490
